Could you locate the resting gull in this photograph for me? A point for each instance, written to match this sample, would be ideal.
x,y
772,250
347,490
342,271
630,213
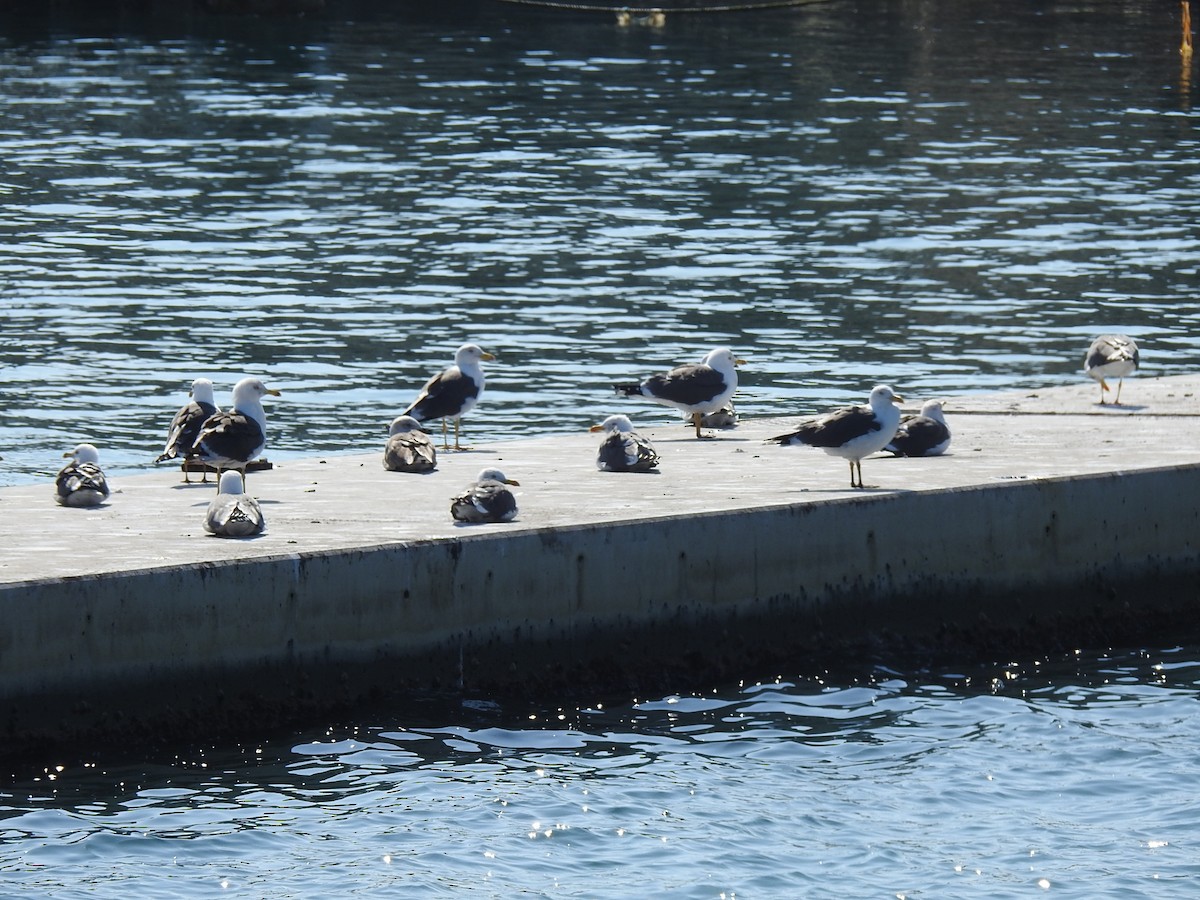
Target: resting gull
x,y
623,449
852,432
1111,356
81,482
453,392
696,388
409,448
926,434
185,427
487,500
233,513
232,439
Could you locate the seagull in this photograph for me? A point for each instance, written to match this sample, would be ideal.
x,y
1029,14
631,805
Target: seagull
x,y
185,427
851,432
453,392
81,482
409,448
696,388
926,434
232,439
623,449
233,513
487,500
1111,356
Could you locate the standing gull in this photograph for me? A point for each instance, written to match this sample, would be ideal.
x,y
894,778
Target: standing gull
x,y
623,449
1111,356
852,432
232,439
233,513
185,427
409,448
81,482
453,392
487,500
926,434
696,388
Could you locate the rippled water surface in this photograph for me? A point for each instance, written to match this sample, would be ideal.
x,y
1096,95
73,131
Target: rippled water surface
x,y
950,196
947,195
1065,779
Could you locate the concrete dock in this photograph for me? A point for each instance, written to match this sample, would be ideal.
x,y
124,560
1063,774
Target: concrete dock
x,y
1050,513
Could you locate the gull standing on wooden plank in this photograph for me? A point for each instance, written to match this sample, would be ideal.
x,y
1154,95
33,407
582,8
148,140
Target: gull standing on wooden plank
x,y
234,438
1111,356
695,388
185,427
852,432
453,392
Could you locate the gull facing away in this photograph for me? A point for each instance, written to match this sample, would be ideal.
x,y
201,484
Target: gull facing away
x,y
852,432
1111,356
925,434
81,482
233,513
185,427
488,499
453,392
697,389
409,448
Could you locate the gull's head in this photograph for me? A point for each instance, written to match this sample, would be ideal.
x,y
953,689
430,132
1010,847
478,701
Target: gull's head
x,y
723,357
471,353
495,475
612,424
882,394
932,409
231,483
84,453
249,389
403,425
202,391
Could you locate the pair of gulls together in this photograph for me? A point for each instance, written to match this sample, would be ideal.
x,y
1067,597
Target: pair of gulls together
x,y
852,432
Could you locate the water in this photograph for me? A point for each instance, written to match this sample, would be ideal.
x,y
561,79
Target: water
x,y
949,197
1068,778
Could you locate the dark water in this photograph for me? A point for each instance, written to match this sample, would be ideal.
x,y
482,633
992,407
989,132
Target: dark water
x,y
1065,778
950,196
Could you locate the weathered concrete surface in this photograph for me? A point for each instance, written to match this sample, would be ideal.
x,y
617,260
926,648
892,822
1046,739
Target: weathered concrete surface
x,y
1049,497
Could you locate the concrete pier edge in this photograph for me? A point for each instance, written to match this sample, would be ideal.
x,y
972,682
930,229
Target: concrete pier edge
x,y
629,605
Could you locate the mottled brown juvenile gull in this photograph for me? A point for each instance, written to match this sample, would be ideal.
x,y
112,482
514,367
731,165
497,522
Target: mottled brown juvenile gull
x,y
852,432
1111,356
185,427
233,513
453,392
695,388
81,481
488,499
623,449
409,448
